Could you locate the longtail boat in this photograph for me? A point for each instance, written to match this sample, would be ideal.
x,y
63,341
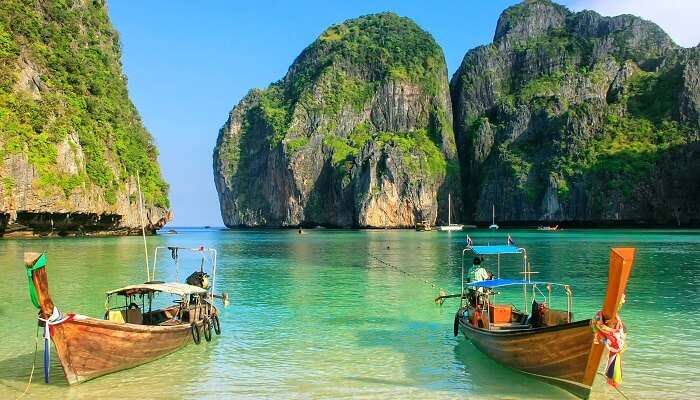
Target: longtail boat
x,y
545,343
133,331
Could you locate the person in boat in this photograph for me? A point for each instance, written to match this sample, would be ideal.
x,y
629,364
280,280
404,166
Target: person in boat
x,y
479,273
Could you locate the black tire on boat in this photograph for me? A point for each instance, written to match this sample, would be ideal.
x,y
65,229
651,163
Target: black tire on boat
x,y
216,324
456,326
196,337
207,330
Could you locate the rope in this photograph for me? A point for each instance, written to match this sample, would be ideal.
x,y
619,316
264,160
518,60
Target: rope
x,y
616,388
31,374
412,275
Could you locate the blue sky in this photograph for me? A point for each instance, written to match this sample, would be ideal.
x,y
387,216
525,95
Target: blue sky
x,y
188,63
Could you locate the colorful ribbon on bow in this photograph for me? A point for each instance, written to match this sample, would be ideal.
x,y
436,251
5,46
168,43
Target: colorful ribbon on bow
x,y
615,340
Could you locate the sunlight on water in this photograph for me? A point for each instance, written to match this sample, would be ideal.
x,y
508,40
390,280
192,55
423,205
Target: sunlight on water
x,y
315,316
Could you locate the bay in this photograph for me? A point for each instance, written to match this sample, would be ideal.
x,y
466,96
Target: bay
x,y
318,316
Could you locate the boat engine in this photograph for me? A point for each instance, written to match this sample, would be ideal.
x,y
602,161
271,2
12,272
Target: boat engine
x,y
198,278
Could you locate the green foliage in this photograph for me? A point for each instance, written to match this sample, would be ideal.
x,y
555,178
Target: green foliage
x,y
65,182
394,47
339,89
7,45
277,112
520,168
341,150
653,95
296,144
627,153
558,44
563,189
361,134
8,184
419,152
76,51
544,86
341,71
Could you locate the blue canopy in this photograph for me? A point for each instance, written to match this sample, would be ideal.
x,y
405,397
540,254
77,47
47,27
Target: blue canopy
x,y
486,250
493,283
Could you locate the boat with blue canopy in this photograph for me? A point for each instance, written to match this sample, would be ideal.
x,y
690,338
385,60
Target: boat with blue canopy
x,y
537,338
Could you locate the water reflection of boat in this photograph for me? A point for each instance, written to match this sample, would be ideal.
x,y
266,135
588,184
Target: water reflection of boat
x,y
133,332
545,343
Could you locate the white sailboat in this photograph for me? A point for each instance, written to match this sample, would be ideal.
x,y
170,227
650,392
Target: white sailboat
x,y
450,226
493,218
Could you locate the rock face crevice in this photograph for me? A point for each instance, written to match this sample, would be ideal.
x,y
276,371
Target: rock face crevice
x,y
357,134
71,141
580,118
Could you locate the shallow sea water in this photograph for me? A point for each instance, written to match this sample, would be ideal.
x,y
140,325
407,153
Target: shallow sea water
x,y
316,316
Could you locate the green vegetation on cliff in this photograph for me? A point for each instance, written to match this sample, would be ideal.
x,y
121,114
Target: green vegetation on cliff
x,y
60,74
367,102
341,71
575,116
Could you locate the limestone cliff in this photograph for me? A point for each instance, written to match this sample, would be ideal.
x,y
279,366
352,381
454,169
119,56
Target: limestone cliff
x,y
71,141
357,134
578,117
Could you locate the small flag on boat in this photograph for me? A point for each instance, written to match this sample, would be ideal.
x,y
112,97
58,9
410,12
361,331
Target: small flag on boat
x,y
469,241
511,242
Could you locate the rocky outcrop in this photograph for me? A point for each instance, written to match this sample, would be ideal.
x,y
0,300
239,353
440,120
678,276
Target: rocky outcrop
x,y
71,141
580,118
357,134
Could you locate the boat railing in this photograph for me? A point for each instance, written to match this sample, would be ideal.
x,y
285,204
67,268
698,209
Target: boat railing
x,y
204,252
527,280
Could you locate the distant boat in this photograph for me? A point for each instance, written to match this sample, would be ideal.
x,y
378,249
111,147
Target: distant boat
x,y
424,226
493,218
548,228
172,232
450,226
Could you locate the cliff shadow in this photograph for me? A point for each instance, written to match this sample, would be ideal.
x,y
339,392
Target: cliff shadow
x,y
648,187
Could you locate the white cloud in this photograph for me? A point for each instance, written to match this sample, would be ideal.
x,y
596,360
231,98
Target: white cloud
x,y
679,18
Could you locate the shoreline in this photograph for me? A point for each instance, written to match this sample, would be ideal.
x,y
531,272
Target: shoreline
x,y
31,234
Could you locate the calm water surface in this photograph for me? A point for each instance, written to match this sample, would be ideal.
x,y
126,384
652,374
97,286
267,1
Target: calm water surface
x,y
314,316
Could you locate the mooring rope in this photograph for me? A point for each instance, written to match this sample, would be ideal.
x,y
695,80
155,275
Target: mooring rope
x,y
31,374
616,388
401,270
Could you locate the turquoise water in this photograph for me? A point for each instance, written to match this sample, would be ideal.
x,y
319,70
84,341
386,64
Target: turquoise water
x,y
315,316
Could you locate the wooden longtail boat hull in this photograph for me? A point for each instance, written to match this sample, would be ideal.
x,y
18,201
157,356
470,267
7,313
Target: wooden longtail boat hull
x,y
557,354
88,348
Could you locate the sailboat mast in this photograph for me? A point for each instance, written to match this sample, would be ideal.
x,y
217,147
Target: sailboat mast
x,y
493,214
143,228
449,209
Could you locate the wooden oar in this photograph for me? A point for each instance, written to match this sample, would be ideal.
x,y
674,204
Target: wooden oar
x,y
443,295
223,296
